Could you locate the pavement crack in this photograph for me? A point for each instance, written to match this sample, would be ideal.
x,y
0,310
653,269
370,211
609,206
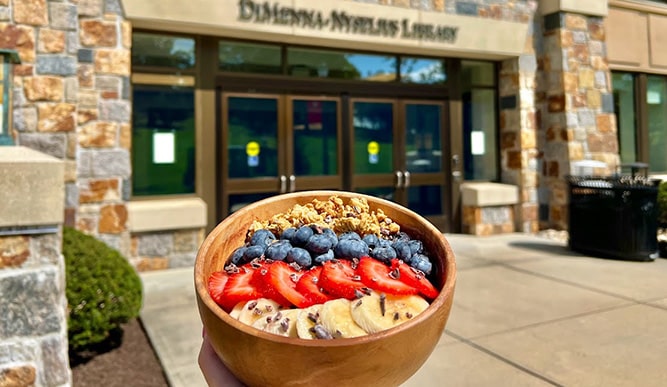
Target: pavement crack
x,y
505,360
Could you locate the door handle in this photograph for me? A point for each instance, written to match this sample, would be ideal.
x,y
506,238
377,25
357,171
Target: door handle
x,y
399,179
283,183
292,183
406,184
456,175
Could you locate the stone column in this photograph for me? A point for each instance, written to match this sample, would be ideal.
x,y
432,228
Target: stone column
x,y
519,123
103,186
33,306
578,114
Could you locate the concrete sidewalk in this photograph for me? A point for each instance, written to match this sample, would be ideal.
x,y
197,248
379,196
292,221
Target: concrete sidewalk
x,y
527,312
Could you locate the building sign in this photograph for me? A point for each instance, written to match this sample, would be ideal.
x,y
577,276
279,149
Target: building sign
x,y
341,21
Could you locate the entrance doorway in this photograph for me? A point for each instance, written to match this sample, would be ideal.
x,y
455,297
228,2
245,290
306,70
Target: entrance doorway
x,y
392,148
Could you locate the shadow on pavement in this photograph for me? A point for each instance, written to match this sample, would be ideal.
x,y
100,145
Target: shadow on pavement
x,y
546,248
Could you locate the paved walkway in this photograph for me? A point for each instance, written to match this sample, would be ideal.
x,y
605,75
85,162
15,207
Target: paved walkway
x,y
527,312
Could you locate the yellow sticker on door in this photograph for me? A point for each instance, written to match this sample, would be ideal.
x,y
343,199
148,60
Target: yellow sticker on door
x,y
252,150
373,152
373,148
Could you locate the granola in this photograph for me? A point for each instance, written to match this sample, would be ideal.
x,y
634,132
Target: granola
x,y
356,215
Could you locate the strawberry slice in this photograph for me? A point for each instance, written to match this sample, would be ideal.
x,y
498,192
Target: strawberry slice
x,y
262,280
339,279
239,287
282,278
380,277
216,285
308,285
415,278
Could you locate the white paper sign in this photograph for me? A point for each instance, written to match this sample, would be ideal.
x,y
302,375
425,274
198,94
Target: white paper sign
x,y
477,142
164,148
653,97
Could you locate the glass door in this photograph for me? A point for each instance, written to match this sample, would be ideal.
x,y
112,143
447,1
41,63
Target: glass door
x,y
424,182
273,144
252,160
313,141
406,165
374,165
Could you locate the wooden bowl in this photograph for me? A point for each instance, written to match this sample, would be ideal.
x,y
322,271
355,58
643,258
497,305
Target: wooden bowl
x,y
386,358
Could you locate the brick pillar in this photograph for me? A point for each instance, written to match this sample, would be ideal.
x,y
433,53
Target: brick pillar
x,y
104,131
519,123
578,113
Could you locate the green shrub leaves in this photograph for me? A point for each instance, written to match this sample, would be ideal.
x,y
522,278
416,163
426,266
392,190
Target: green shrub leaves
x,y
103,290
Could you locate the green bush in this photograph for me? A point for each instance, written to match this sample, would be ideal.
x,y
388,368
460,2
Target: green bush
x,y
103,291
662,204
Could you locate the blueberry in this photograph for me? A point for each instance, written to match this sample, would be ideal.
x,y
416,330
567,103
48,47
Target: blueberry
x,y
421,262
328,256
371,240
299,256
416,246
349,235
302,235
402,236
384,254
278,250
288,233
318,244
402,250
262,238
350,248
253,252
383,243
237,255
331,235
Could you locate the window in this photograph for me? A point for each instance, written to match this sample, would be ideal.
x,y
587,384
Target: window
x,y
624,107
640,105
422,70
480,158
249,57
162,51
656,111
163,140
7,58
163,111
257,58
302,62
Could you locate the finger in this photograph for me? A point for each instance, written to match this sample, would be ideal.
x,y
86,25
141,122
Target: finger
x,y
215,372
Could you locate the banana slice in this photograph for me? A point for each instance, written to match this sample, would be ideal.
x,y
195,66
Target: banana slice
x,y
306,320
336,318
377,312
237,309
256,309
281,323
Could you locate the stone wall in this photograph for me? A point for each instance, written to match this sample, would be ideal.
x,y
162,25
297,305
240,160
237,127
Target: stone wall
x,y
488,208
33,306
165,249
33,331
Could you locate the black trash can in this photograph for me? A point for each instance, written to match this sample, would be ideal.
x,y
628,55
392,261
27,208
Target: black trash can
x,y
614,217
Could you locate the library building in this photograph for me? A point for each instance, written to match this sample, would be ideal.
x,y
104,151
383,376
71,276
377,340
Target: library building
x,y
167,116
